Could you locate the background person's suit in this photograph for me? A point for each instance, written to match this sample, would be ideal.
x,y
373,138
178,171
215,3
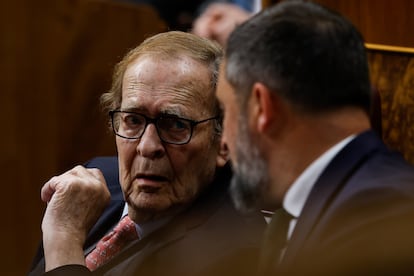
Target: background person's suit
x,y
209,238
359,216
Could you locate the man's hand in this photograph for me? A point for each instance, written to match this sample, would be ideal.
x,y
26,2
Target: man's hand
x,y
75,200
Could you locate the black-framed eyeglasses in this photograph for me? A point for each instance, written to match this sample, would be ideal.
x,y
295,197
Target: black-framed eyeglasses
x,y
170,129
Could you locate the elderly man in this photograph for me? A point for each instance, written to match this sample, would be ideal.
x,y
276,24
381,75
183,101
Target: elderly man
x,y
295,87
172,171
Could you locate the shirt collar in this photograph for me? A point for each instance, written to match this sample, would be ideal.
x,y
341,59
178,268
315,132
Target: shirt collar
x,y
297,194
144,229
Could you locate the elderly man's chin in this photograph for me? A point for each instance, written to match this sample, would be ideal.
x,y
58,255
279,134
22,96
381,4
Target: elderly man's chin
x,y
151,206
145,207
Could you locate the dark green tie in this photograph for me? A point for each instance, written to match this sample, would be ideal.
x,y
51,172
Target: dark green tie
x,y
275,240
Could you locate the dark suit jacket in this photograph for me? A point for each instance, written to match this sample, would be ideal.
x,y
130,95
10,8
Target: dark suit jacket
x,y
209,238
359,216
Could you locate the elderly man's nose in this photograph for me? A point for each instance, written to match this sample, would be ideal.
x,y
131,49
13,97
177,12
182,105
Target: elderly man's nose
x,y
150,144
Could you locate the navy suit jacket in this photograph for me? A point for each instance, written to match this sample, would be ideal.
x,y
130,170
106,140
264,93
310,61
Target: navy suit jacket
x,y
209,238
359,216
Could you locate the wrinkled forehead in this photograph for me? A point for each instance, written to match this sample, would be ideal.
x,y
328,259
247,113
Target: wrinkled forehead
x,y
168,81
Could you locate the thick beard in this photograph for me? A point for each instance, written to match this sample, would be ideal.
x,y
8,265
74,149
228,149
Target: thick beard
x,y
250,174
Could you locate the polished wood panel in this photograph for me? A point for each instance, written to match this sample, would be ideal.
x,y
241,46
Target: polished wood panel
x,y
387,27
57,58
392,73
380,21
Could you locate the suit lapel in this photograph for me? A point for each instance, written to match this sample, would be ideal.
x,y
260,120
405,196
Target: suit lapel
x,y
327,187
140,253
105,223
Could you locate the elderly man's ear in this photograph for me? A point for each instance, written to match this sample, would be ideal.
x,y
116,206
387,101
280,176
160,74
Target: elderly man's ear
x,y
223,154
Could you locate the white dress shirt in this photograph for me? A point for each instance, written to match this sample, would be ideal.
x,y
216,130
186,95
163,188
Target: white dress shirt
x,y
298,193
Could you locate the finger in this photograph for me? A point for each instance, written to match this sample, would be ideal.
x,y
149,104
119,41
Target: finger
x,y
48,189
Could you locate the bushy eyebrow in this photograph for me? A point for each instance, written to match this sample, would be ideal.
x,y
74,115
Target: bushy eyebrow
x,y
133,109
176,114
172,111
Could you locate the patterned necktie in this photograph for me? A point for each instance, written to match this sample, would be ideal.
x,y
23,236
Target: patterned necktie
x,y
112,243
275,241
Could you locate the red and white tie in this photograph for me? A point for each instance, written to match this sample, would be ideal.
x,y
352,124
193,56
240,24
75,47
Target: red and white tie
x,y
112,243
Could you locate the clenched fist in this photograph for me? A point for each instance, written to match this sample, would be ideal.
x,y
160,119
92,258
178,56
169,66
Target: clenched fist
x,y
75,200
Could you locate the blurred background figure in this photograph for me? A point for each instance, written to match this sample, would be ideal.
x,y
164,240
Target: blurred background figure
x,y
214,18
219,19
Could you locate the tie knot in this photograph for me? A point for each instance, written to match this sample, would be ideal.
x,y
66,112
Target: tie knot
x,y
279,226
126,229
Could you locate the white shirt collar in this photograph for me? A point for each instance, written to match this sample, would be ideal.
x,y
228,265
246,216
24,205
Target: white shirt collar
x,y
297,194
146,228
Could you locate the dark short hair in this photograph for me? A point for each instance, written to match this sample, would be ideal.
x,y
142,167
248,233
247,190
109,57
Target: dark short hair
x,y
311,56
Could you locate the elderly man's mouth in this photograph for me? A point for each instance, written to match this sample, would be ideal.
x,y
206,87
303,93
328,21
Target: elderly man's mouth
x,y
151,183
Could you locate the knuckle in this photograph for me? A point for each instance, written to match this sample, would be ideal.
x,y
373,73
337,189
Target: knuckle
x,y
77,170
96,172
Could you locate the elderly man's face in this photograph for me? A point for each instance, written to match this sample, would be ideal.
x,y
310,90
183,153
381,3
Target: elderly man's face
x,y
158,178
